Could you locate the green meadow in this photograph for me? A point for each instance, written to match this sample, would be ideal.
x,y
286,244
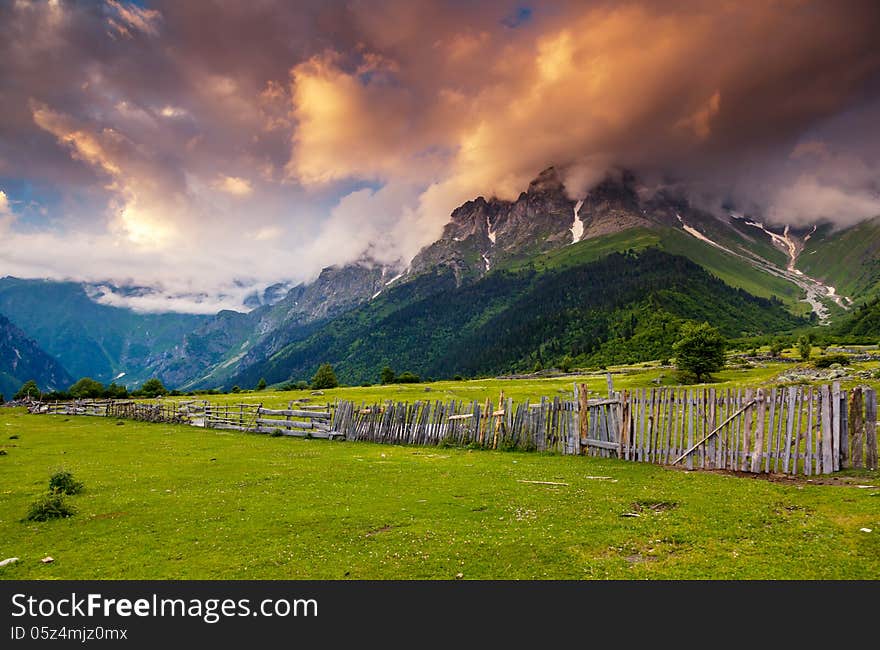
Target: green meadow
x,y
178,502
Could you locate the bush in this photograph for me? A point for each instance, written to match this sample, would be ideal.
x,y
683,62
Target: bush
x,y
828,360
408,378
50,506
261,385
235,389
62,482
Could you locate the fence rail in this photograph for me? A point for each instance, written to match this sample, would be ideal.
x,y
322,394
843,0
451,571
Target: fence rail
x,y
804,430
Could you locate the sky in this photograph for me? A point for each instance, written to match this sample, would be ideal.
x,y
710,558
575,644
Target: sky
x,y
206,149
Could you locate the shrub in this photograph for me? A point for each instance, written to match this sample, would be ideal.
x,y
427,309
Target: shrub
x,y
261,385
408,378
50,506
276,433
236,389
62,482
829,359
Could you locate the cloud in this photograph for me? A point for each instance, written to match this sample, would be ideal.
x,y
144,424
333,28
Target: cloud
x,y
199,151
6,216
234,185
127,18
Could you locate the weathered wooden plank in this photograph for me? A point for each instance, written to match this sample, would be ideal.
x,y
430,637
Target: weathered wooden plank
x,y
808,460
798,440
293,424
870,397
759,429
713,444
844,431
857,426
825,436
746,438
690,424
600,444
318,415
789,430
767,446
835,425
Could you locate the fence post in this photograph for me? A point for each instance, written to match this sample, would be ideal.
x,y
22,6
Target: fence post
x,y
826,436
857,425
871,428
759,432
835,425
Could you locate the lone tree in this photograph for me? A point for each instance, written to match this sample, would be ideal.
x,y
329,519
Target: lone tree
x,y
699,350
387,376
28,390
261,385
805,347
324,377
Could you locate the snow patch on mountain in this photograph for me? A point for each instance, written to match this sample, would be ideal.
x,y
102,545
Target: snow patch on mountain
x,y
577,227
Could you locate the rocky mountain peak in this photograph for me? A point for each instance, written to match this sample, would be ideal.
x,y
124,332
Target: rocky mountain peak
x,y
548,181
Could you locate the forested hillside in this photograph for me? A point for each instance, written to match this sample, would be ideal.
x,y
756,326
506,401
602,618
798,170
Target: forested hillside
x,y
622,308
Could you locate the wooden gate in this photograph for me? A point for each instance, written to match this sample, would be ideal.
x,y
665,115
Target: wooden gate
x,y
790,430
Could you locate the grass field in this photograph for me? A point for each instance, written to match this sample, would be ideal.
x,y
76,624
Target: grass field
x,y
645,375
168,502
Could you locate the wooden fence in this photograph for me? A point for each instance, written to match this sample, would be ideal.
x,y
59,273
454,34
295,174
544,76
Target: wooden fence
x,y
304,420
789,430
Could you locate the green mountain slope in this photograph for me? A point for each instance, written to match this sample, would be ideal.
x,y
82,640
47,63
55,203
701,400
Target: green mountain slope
x,y
90,339
849,259
863,325
22,359
622,307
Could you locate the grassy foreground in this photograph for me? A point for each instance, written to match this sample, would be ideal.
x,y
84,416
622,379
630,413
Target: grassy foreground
x,y
169,502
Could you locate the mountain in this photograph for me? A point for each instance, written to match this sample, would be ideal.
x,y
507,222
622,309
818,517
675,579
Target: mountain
x,y
848,258
90,339
495,252
623,307
21,359
215,350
